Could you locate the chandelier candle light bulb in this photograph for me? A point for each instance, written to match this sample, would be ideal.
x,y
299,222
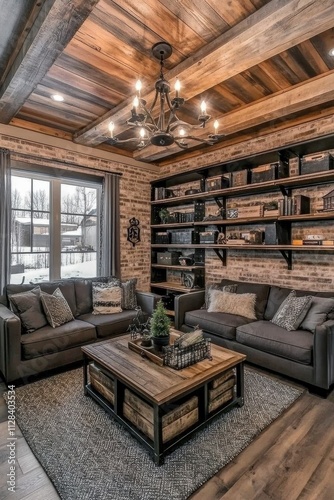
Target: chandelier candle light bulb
x,y
177,87
111,129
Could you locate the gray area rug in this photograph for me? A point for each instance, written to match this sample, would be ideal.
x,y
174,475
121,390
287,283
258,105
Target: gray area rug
x,y
88,455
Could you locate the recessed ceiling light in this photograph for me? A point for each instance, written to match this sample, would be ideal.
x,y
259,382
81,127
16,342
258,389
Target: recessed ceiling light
x,y
331,52
57,97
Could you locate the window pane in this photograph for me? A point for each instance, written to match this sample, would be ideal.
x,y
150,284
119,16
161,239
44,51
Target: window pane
x,y
79,236
41,197
21,192
82,264
29,267
41,234
78,200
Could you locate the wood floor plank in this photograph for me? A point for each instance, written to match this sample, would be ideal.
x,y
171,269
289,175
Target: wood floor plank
x,y
276,473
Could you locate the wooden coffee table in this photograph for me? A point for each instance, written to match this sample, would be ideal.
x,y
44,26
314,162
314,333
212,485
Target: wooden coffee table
x,y
161,406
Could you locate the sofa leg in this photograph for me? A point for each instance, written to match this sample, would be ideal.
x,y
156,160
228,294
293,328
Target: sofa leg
x,y
319,391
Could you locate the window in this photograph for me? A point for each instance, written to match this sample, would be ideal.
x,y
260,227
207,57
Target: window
x,y
55,228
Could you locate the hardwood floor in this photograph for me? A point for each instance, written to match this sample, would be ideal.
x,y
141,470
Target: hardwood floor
x,y
292,459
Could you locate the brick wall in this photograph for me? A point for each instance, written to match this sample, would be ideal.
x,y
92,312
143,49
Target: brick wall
x,y
134,195
313,271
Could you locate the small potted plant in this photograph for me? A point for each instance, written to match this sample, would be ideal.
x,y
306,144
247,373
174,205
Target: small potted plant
x,y
164,215
160,326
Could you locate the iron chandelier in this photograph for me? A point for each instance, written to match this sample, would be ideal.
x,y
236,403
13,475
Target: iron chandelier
x,y
165,128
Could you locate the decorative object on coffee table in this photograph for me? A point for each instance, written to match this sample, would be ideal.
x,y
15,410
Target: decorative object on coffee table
x,y
187,349
160,326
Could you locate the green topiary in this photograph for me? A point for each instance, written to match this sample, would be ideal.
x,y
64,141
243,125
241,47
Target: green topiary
x,y
160,322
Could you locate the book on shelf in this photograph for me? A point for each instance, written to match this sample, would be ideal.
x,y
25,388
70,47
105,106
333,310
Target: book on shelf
x,y
295,205
312,242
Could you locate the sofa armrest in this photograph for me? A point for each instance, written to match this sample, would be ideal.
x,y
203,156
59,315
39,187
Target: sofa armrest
x,y
10,343
324,355
187,302
147,301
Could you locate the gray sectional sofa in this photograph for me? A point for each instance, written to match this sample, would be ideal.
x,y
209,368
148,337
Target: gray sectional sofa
x,y
301,354
25,354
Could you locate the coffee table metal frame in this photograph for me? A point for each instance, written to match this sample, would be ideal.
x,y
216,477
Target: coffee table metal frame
x,y
157,448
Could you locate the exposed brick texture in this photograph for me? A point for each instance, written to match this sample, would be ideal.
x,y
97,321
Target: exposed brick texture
x,y
134,197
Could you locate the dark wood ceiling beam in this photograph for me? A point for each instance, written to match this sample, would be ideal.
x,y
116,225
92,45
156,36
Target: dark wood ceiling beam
x,y
279,25
316,91
55,25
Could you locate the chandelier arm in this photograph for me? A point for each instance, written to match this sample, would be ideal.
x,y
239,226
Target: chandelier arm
x,y
181,145
204,141
149,115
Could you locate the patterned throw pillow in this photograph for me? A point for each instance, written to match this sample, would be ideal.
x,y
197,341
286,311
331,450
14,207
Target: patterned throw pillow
x,y
28,306
56,308
292,311
216,286
129,297
241,304
107,298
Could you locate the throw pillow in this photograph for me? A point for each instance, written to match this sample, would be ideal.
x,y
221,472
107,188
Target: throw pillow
x,y
107,298
216,286
56,308
129,297
28,306
317,314
241,304
292,311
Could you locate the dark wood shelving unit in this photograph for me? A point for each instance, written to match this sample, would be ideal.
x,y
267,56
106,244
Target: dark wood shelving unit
x,y
282,223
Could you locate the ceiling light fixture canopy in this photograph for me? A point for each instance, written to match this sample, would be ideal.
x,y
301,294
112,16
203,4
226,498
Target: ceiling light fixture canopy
x,y
163,128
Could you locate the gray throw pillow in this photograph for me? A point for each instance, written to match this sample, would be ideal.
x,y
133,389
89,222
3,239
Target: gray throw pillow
x,y
56,308
292,311
129,297
216,286
28,306
317,314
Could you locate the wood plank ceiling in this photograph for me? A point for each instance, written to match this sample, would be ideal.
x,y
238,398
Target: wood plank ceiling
x,y
258,64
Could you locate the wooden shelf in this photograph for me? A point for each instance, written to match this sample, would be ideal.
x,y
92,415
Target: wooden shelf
x,y
177,267
277,185
246,246
172,225
176,287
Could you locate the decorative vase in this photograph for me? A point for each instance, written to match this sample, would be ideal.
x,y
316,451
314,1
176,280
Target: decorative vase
x,y
160,342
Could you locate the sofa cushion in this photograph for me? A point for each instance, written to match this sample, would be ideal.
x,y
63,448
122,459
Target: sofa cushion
x,y
241,304
217,323
278,294
83,293
56,308
129,297
67,289
27,305
265,336
216,286
108,325
292,311
261,291
48,340
318,313
107,297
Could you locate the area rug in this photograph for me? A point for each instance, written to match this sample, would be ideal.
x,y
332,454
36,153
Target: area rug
x,y
87,455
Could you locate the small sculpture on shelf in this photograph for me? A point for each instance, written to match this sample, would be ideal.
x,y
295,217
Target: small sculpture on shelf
x,y
164,215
